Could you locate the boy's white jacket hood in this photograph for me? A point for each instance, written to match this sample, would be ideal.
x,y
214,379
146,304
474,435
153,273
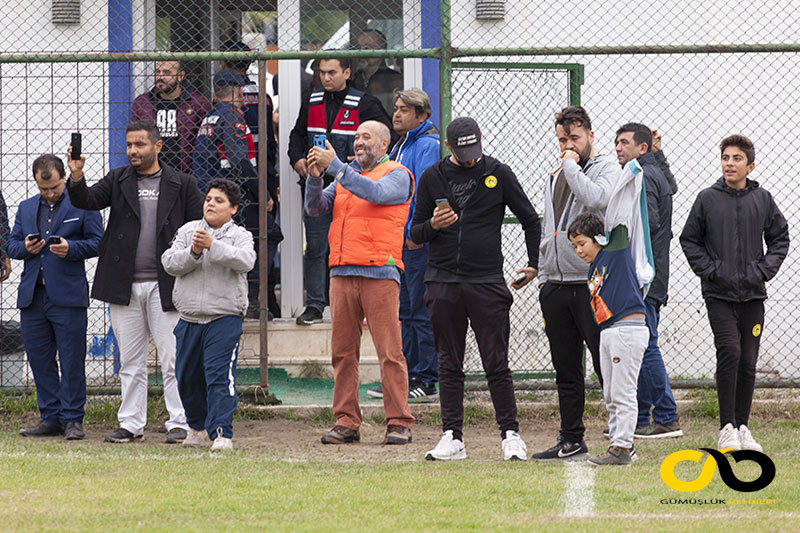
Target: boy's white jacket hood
x,y
627,207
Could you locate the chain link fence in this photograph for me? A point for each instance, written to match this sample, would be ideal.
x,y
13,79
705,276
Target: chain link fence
x,y
696,73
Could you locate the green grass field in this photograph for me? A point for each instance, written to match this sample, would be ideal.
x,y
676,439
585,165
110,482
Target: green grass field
x,y
54,485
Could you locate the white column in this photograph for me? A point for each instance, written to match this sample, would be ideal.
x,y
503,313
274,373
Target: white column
x,y
291,201
412,38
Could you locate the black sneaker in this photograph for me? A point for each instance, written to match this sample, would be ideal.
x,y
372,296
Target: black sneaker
x,y
311,315
74,431
421,392
253,312
42,429
377,392
564,451
121,435
605,433
659,431
175,436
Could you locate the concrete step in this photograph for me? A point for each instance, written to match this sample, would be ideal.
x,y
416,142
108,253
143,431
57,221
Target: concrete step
x,y
305,350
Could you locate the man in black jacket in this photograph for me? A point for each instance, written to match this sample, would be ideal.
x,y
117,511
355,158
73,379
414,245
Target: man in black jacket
x,y
148,202
460,207
635,141
336,113
723,240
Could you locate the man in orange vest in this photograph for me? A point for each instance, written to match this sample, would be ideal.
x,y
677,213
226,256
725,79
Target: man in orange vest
x,y
369,199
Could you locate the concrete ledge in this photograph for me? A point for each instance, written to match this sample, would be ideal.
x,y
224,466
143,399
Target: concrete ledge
x,y
304,350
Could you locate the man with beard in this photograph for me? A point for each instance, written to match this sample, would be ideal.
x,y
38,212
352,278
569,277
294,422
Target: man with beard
x,y
369,200
176,111
148,204
335,112
584,182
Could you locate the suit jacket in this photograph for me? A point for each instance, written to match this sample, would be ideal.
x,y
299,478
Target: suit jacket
x,y
65,279
179,201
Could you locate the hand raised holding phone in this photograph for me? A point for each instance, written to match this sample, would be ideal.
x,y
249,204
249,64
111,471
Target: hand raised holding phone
x,y
443,215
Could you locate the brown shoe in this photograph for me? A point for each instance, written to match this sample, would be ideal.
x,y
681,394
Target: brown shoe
x,y
341,435
397,434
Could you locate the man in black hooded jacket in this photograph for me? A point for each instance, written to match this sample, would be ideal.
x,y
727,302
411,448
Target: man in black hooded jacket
x,y
460,207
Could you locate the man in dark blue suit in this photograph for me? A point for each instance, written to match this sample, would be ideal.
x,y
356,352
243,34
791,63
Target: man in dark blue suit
x,y
54,238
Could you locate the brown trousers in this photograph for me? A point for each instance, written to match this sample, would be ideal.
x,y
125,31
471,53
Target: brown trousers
x,y
352,299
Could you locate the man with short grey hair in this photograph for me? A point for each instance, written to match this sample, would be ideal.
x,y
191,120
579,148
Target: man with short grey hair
x,y
369,201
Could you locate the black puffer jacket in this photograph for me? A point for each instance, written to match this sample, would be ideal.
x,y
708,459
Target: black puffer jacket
x,y
659,186
724,236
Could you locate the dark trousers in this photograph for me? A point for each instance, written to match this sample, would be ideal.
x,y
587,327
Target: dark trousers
x,y
737,328
485,307
274,237
47,329
315,260
205,365
653,389
418,346
568,324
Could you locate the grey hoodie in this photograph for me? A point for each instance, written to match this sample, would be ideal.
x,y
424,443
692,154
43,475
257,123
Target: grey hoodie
x,y
590,189
215,284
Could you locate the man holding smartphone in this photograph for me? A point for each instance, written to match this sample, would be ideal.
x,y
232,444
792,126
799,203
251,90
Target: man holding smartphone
x,y
148,204
54,238
460,207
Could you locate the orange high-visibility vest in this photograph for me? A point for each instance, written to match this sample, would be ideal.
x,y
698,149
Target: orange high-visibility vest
x,y
363,233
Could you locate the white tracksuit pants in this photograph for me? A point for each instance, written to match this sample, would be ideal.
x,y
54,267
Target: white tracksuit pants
x,y
621,351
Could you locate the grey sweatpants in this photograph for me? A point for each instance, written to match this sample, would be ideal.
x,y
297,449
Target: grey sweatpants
x,y
621,351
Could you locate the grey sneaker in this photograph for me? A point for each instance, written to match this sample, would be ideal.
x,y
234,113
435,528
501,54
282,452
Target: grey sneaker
x,y
615,456
659,431
377,392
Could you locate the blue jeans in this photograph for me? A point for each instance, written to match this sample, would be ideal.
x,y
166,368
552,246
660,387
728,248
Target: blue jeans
x,y
315,260
418,346
654,390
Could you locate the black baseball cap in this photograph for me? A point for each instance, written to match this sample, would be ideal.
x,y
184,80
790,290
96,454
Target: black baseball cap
x,y
229,78
464,138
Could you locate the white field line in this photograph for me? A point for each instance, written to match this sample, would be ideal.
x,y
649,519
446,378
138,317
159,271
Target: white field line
x,y
578,489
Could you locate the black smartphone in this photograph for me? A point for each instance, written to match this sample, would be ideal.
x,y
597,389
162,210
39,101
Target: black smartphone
x,y
35,237
520,279
55,239
76,146
319,140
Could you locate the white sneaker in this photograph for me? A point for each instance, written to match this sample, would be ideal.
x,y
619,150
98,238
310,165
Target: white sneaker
x,y
729,438
221,443
448,449
514,448
196,438
746,440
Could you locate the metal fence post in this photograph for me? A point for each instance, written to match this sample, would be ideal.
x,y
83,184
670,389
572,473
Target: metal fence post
x,y
263,255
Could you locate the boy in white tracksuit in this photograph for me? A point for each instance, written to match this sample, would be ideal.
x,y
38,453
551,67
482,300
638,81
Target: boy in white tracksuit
x,y
210,259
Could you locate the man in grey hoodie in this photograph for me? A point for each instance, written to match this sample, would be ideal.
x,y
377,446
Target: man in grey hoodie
x,y
584,182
